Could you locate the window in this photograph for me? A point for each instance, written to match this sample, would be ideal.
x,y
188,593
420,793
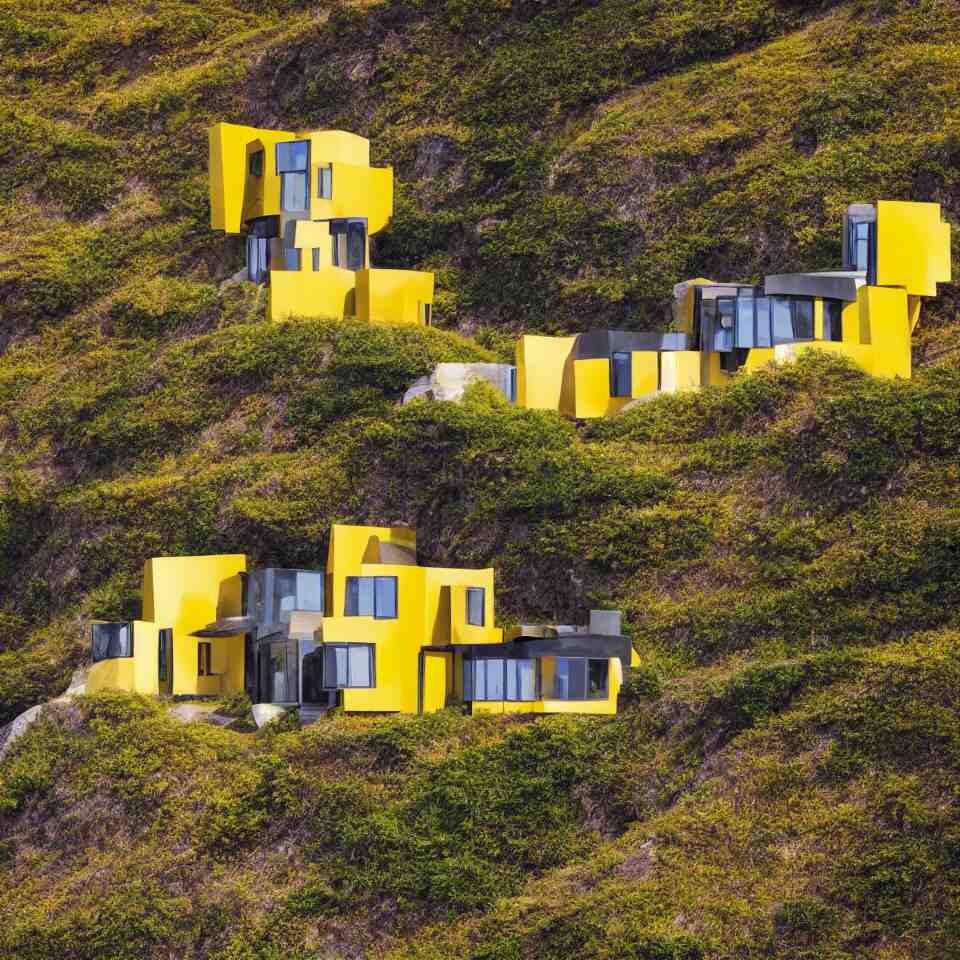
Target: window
x,y
356,246
258,259
426,311
476,597
764,336
338,252
371,597
108,641
499,679
325,182
165,648
255,163
622,378
293,165
803,319
291,258
723,332
348,665
833,320
512,395
296,590
861,245
316,259
578,678
746,336
204,659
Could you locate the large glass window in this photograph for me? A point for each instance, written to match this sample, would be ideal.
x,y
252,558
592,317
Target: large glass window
x,y
296,590
833,320
291,258
348,665
476,597
371,597
500,679
764,337
109,641
293,165
579,678
803,319
622,386
860,244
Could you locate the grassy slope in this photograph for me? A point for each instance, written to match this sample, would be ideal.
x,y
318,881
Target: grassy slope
x,y
787,551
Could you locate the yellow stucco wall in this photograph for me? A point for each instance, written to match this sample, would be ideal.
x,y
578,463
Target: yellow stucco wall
x,y
393,296
187,593
884,312
679,370
541,364
591,384
136,674
913,247
328,292
644,372
351,545
437,680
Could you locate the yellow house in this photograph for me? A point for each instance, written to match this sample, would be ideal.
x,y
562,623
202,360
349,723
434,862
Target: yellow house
x,y
308,204
373,632
894,254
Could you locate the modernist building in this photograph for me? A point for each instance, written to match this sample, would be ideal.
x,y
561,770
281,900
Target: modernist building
x,y
894,254
374,632
308,204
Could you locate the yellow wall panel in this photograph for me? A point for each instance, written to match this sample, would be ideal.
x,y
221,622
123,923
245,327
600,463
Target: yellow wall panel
x,y
913,247
679,370
591,384
644,372
541,369
392,296
437,675
325,293
885,312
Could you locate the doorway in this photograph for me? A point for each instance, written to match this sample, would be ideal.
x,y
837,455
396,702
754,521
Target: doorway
x,y
165,662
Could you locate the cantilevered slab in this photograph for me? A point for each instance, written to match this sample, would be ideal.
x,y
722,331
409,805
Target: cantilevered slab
x,y
831,285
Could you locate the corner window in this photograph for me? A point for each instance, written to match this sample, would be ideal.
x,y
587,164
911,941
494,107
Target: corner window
x,y
296,590
348,665
293,165
255,163
204,659
325,182
476,597
833,320
371,597
109,641
578,678
622,386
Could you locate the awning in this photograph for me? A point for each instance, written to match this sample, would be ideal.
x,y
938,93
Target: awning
x,y
226,627
832,285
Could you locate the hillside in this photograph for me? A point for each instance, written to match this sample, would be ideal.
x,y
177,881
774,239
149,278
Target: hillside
x,y
783,780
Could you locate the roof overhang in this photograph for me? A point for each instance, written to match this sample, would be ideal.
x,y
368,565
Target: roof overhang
x,y
832,285
226,627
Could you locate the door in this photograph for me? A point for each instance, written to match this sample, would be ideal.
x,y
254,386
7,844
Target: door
x,y
437,680
165,662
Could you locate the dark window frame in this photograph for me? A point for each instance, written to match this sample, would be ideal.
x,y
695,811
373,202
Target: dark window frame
x,y
204,658
583,664
833,325
255,163
483,605
284,171
111,645
470,672
348,612
622,360
372,665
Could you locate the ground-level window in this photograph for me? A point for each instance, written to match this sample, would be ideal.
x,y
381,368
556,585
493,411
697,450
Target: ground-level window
x,y
204,659
348,665
622,386
371,597
476,597
580,678
500,679
111,640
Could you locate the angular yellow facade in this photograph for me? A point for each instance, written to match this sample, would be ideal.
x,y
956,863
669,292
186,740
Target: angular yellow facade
x,y
895,253
308,204
372,632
